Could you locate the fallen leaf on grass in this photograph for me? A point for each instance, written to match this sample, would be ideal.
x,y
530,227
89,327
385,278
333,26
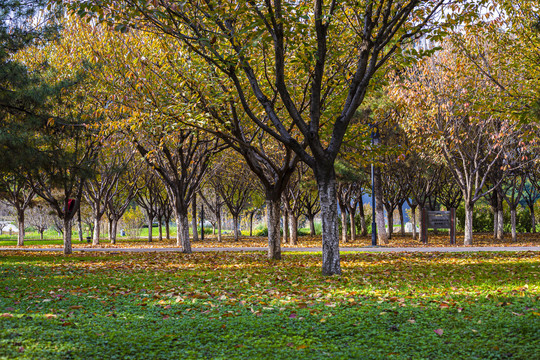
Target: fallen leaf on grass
x,y
439,332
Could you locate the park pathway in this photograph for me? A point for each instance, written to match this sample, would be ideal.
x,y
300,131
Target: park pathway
x,y
297,249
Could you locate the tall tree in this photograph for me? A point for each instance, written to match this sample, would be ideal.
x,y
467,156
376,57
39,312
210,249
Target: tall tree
x,y
301,44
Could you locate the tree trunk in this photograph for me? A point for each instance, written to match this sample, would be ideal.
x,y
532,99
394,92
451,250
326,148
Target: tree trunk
x,y
513,223
67,237
273,224
160,228
533,219
79,225
168,229
194,218
41,234
150,221
401,220
363,227
97,231
423,232
379,208
285,226
343,223
114,229
293,229
390,219
330,230
251,214
182,234
500,213
353,226
20,223
495,221
468,236
413,219
236,227
219,225
311,226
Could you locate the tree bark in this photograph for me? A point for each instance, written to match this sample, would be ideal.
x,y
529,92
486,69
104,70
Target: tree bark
x,y
285,226
182,234
236,227
20,223
219,226
97,231
390,219
500,214
330,230
533,219
363,227
343,223
160,228
293,229
273,223
41,234
379,208
513,223
194,219
167,230
401,220
353,226
67,237
311,221
79,225
468,236
114,229
150,221
413,219
251,214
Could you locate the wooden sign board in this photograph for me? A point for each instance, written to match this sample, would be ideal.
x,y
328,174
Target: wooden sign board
x,y
438,220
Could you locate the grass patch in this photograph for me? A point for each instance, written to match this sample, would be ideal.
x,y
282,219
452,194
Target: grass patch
x,y
240,305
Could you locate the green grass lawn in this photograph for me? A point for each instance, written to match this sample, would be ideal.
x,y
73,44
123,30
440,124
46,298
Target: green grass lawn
x,y
240,305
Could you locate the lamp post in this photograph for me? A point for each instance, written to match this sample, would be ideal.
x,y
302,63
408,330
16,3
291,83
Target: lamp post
x,y
374,141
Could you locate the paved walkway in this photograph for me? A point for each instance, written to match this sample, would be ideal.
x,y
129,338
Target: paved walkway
x,y
298,249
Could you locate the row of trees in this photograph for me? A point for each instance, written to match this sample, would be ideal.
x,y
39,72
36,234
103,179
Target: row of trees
x,y
283,83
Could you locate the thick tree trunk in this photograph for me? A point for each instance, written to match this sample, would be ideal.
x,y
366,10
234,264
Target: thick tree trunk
x,y
285,226
513,223
218,215
182,235
41,234
423,232
330,230
20,223
113,231
495,221
363,227
236,227
500,213
97,231
67,237
293,229
533,219
311,221
353,226
194,219
273,223
79,225
468,236
160,228
251,214
379,208
401,220
390,219
168,229
150,221
413,219
343,223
